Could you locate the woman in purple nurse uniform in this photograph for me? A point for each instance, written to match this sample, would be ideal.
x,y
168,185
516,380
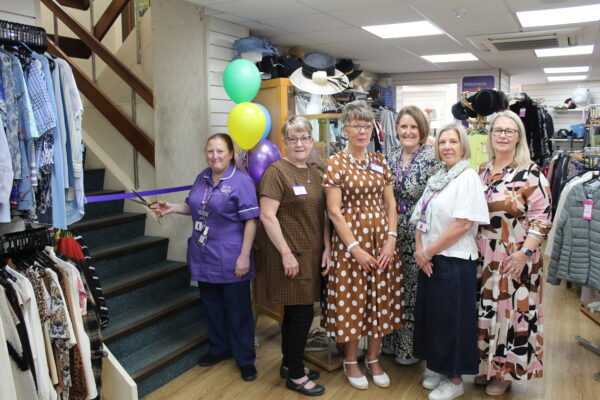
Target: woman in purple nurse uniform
x,y
223,206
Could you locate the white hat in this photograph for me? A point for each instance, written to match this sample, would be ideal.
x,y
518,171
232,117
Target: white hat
x,y
318,75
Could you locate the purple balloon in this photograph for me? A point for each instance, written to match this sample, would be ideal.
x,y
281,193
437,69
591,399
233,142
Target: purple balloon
x,y
260,157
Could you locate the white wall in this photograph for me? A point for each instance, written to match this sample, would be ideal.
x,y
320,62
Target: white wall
x,y
554,94
221,35
430,78
21,11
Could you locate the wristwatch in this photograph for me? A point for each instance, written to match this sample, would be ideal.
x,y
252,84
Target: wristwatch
x,y
526,251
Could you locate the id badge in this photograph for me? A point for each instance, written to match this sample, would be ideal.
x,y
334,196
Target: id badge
x,y
299,190
588,207
203,237
203,213
377,168
422,226
199,226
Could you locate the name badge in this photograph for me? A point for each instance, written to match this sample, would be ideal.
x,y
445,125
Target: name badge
x,y
422,226
588,207
299,190
377,168
203,213
199,226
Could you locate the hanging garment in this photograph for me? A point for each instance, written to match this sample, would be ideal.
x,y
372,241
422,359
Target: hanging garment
x,y
6,177
388,125
9,113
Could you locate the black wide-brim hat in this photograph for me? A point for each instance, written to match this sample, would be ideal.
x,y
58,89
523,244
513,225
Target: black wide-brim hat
x,y
318,74
486,102
348,67
459,111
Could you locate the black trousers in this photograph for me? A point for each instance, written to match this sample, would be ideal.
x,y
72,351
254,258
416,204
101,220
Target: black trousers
x,y
297,320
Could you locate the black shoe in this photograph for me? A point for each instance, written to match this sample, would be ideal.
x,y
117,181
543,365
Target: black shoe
x,y
249,372
312,375
317,390
208,359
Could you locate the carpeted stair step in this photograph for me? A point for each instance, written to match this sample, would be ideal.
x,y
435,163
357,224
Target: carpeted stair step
x,y
103,208
93,180
122,283
158,330
129,255
171,283
161,362
136,318
111,228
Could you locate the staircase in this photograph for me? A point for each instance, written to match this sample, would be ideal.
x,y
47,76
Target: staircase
x,y
156,329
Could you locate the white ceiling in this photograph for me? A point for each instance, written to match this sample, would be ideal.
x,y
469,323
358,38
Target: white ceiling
x,y
333,26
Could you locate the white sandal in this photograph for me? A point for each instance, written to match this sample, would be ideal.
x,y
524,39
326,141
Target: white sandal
x,y
382,380
360,382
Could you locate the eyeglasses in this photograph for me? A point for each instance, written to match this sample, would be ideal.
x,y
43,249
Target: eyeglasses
x,y
358,128
508,132
295,140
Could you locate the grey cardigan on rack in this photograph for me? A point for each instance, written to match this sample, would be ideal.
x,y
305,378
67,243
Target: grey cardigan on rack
x,y
576,252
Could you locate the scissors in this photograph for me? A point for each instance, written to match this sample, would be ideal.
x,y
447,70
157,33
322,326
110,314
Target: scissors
x,y
142,200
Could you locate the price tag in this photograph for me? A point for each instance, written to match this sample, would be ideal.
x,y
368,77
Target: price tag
x,y
588,207
299,190
522,112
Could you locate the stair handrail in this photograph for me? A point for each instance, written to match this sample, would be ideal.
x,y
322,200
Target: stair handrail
x,y
108,18
132,132
94,44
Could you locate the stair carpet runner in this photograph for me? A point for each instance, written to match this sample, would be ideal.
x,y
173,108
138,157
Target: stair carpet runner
x,y
156,330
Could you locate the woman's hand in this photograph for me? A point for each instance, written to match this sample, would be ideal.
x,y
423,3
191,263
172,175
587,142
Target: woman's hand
x,y
386,255
242,266
427,268
291,268
420,258
514,264
326,261
365,260
162,207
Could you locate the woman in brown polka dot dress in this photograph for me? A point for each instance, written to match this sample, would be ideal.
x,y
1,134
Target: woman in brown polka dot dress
x,y
364,290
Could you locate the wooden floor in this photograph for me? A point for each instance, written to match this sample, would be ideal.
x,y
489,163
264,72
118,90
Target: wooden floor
x,y
568,367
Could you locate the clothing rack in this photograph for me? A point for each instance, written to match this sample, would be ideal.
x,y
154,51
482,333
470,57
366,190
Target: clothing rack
x,y
12,33
12,244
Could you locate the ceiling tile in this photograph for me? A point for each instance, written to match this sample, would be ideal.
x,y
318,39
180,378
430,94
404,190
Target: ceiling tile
x,y
307,23
426,45
444,9
261,10
341,35
390,14
529,5
342,5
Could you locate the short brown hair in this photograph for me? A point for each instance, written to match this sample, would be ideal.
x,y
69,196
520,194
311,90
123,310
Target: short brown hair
x,y
419,117
224,137
297,123
357,110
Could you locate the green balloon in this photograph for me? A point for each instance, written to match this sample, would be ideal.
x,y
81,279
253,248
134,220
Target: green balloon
x,y
241,80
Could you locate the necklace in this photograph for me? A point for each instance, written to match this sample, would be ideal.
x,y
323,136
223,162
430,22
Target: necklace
x,y
352,160
304,166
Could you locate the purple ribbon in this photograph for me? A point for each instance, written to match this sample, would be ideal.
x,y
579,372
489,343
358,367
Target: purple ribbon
x,y
121,196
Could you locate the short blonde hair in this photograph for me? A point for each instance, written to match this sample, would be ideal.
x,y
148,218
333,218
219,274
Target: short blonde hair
x,y
357,110
521,157
463,138
419,116
296,123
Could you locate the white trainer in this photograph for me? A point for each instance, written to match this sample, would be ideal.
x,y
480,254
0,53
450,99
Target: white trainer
x,y
447,390
431,379
406,361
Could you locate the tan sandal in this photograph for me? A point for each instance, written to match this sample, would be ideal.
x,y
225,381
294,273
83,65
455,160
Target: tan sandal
x,y
496,387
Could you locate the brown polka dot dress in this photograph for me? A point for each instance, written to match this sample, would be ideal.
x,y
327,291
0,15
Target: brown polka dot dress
x,y
360,303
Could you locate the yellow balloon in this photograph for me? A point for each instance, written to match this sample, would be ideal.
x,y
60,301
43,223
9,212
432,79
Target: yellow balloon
x,y
246,123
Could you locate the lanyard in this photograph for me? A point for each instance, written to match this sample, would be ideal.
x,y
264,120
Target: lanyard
x,y
206,199
426,203
407,169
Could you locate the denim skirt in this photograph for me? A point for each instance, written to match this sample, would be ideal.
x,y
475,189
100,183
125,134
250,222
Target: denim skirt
x,y
446,317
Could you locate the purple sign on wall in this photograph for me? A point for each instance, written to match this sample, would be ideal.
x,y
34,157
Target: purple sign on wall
x,y
474,83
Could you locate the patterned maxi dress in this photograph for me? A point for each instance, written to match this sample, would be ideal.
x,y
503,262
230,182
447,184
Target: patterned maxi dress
x,y
408,191
360,303
510,326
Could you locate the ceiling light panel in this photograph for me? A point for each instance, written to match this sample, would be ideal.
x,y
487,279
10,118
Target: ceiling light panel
x,y
566,78
565,51
566,70
406,29
456,57
559,16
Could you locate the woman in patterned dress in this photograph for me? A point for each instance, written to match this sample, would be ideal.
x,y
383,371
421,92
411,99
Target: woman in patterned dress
x,y
510,312
364,290
412,163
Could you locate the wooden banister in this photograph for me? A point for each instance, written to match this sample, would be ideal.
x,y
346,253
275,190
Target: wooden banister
x,y
107,19
79,4
94,44
142,142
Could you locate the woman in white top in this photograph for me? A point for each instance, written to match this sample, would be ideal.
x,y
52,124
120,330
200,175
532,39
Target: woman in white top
x,y
446,218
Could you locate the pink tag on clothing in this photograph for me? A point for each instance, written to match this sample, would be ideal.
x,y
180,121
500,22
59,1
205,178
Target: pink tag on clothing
x,y
522,112
588,207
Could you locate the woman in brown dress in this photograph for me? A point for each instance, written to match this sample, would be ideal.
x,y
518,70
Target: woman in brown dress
x,y
292,211
364,291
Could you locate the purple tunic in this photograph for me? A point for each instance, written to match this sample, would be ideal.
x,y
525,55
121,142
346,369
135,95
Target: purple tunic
x,y
230,204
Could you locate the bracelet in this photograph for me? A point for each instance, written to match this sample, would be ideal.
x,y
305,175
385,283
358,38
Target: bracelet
x,y
351,245
425,253
390,233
